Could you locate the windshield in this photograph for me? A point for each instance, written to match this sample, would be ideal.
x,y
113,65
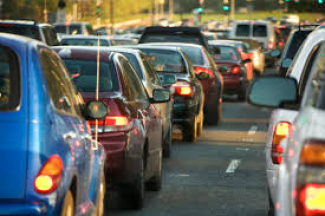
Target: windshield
x,y
82,42
226,54
184,38
27,31
165,61
84,75
194,54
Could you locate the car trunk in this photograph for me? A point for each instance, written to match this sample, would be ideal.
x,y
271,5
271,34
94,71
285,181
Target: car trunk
x,y
13,155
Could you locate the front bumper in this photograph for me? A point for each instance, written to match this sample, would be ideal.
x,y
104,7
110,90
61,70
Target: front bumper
x,y
23,208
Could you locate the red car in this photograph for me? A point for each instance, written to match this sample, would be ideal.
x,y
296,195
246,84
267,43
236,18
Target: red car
x,y
233,70
132,133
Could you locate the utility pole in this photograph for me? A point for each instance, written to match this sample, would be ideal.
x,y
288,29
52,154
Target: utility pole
x,y
45,11
112,16
171,9
232,10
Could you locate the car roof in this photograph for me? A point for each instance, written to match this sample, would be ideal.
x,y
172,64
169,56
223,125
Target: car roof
x,y
123,50
176,49
19,40
160,29
252,21
24,22
84,37
220,42
83,52
173,44
71,23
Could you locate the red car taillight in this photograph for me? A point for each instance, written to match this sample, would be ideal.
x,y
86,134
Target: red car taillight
x,y
113,123
271,45
183,88
281,131
49,176
235,70
311,195
199,69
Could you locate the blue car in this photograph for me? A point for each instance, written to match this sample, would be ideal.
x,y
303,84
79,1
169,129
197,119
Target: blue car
x,y
49,164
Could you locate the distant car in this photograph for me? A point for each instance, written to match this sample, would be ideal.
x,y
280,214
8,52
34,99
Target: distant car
x,y
213,87
222,34
211,35
132,133
233,70
189,94
150,81
73,28
244,53
49,163
157,34
83,40
291,19
260,30
282,33
39,31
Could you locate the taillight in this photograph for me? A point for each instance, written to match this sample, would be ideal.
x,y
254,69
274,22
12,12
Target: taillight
x,y
199,69
235,70
113,123
281,131
311,200
313,153
183,88
281,43
49,176
271,45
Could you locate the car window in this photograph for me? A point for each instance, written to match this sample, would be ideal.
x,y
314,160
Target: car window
x,y
151,71
194,54
259,30
315,92
227,54
29,31
84,75
242,30
133,81
135,64
58,83
50,36
10,85
294,44
177,37
82,42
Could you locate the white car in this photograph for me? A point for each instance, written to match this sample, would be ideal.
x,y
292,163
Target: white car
x,y
282,119
291,19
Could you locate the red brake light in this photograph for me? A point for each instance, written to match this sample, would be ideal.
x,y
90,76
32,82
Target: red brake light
x,y
111,121
281,26
281,43
183,88
235,70
271,45
312,200
281,131
199,69
49,176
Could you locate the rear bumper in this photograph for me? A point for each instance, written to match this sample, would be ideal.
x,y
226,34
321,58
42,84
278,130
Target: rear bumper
x,y
232,85
23,208
184,114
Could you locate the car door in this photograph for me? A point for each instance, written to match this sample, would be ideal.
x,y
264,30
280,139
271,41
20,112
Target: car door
x,y
67,120
151,116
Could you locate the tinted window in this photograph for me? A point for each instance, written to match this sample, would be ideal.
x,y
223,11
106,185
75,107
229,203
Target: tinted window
x,y
194,54
242,30
134,62
82,42
50,36
122,42
294,43
166,61
181,37
151,71
84,73
9,80
259,30
227,54
27,31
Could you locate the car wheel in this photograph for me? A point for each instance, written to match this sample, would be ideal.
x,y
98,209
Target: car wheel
x,y
200,123
242,93
214,116
68,205
137,197
190,131
168,143
155,183
101,196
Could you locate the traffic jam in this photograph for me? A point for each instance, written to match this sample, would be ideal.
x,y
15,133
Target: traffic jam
x,y
198,108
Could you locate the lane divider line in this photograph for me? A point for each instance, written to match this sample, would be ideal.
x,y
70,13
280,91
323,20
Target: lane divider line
x,y
233,166
252,130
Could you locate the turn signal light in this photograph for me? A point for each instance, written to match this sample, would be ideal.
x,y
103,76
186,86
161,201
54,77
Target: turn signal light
x,y
49,176
312,200
281,131
313,153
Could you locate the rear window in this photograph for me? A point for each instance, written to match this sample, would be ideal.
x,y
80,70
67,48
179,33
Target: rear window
x,y
294,43
180,37
82,42
242,30
69,29
227,54
84,75
27,31
259,30
121,42
9,80
166,61
194,54
135,64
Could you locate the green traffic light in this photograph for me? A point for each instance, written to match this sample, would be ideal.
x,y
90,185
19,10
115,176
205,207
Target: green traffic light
x,y
320,1
225,8
287,0
199,10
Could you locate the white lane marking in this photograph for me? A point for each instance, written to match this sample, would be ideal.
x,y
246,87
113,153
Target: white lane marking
x,y
242,149
252,130
180,175
233,166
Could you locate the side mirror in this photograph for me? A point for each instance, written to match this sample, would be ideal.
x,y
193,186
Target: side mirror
x,y
169,79
96,110
160,96
273,91
286,63
275,54
248,60
202,76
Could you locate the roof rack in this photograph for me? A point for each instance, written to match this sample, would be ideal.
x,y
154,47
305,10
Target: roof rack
x,y
22,21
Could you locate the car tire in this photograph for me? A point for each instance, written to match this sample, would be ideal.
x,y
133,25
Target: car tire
x,y
190,131
101,196
68,205
155,183
167,146
200,124
137,193
214,116
242,93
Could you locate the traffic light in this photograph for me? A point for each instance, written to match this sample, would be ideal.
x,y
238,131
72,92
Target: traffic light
x,y
287,0
320,1
199,10
98,9
225,7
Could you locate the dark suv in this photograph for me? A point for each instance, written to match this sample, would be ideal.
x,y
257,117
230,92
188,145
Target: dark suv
x,y
192,35
39,31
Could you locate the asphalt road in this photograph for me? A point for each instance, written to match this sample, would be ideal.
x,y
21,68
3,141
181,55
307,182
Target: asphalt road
x,y
222,174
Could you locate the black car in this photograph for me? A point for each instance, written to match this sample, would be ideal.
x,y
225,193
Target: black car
x,y
39,31
188,91
191,35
